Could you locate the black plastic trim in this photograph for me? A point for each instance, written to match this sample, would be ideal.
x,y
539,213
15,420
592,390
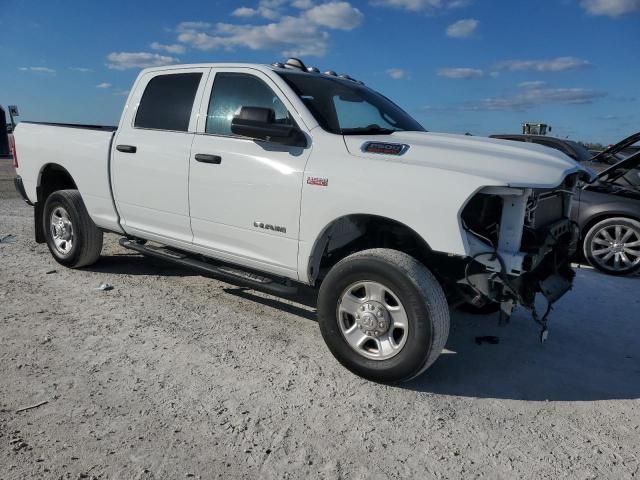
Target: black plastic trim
x,y
273,285
20,188
106,128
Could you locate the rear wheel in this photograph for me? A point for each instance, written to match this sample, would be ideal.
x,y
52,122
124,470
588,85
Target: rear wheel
x,y
383,315
613,246
72,237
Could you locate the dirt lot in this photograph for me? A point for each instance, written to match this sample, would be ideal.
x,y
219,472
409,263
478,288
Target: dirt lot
x,y
174,375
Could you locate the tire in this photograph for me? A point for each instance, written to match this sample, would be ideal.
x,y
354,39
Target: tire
x,y
487,309
72,237
613,246
403,284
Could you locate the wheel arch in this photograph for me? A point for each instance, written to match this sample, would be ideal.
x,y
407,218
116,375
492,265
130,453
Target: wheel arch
x,y
350,233
593,220
51,178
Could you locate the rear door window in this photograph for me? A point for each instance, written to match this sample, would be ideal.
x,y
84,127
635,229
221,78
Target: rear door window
x,y
167,102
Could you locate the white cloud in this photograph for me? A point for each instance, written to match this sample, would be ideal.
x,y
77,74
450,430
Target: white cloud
x,y
293,35
269,9
81,69
194,25
460,73
301,35
302,4
127,60
397,73
103,85
559,64
532,84
462,28
244,12
37,69
174,48
531,97
336,15
421,5
611,8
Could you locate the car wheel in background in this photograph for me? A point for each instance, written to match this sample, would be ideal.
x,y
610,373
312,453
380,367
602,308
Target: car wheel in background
x,y
613,246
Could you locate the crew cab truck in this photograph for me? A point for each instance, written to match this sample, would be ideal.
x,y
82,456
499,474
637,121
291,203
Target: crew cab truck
x,y
279,175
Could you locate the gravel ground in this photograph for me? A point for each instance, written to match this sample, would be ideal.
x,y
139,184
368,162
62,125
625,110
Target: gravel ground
x,y
175,375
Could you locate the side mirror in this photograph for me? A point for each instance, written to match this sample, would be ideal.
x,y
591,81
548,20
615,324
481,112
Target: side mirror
x,y
260,123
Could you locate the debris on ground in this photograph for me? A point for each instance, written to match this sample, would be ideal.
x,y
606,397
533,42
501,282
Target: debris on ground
x,y
31,407
8,239
105,287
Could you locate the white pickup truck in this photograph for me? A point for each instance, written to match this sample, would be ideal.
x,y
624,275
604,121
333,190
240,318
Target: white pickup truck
x,y
279,175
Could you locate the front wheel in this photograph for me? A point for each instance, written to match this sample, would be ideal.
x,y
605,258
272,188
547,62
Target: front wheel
x,y
72,237
613,246
383,315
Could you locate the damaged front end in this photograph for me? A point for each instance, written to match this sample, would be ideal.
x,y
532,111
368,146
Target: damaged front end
x,y
520,243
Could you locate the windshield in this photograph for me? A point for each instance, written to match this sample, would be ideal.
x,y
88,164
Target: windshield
x,y
582,152
348,108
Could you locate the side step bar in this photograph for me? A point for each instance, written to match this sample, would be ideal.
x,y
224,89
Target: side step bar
x,y
224,272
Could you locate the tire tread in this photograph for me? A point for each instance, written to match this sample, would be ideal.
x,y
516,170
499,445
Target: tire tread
x,y
90,236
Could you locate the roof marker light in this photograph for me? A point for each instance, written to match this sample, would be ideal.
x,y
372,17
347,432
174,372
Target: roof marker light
x,y
296,63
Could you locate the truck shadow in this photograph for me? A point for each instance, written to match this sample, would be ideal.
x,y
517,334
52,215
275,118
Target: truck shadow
x,y
591,353
136,264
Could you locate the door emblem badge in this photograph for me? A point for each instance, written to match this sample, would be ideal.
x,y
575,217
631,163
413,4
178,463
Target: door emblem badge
x,y
268,226
318,181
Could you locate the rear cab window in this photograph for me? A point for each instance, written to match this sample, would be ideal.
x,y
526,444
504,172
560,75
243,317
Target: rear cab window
x,y
167,102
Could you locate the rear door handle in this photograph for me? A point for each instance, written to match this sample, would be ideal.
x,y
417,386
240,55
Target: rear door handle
x,y
204,158
126,148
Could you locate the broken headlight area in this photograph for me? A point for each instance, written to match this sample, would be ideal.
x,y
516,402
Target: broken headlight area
x,y
520,243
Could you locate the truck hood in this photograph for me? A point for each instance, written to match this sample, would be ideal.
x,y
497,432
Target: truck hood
x,y
499,162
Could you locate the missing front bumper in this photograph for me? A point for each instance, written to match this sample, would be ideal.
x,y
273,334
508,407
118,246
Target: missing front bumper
x,y
544,267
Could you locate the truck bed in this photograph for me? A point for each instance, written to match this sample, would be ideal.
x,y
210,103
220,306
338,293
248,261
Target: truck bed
x,y
83,150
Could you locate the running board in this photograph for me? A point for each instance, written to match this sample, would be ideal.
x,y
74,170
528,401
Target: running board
x,y
224,272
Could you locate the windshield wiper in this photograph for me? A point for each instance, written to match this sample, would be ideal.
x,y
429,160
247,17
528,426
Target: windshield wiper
x,y
370,130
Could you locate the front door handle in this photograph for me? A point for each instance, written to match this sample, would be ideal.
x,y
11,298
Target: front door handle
x,y
126,148
204,158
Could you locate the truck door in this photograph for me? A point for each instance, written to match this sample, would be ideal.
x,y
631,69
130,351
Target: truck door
x,y
150,159
245,194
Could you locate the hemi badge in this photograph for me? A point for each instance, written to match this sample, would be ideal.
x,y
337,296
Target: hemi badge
x,y
320,182
385,148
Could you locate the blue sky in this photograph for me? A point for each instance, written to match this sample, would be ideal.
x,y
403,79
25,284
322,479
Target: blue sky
x,y
479,66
